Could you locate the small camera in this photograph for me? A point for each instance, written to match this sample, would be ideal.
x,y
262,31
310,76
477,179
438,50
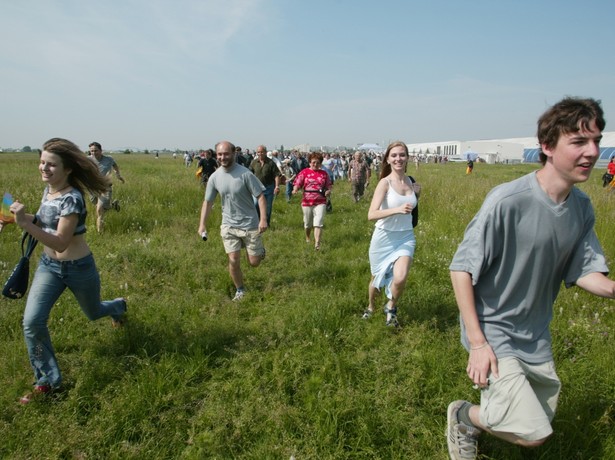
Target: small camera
x,y
204,236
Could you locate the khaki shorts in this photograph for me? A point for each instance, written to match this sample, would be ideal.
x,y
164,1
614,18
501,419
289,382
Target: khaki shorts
x,y
522,400
314,216
105,199
236,238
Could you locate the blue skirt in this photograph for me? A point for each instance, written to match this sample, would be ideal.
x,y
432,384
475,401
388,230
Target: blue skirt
x,y
384,250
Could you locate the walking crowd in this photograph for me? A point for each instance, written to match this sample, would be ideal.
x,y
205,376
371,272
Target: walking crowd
x,y
529,236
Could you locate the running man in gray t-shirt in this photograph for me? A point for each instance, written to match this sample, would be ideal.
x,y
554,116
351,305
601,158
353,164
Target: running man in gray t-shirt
x,y
529,236
241,226
104,202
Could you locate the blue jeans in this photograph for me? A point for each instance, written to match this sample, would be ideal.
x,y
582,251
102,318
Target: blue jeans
x,y
52,277
289,190
269,196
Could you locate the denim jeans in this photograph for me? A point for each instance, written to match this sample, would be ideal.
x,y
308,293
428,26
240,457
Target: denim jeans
x,y
269,196
52,277
289,190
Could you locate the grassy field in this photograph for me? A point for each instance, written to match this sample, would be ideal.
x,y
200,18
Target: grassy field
x,y
292,370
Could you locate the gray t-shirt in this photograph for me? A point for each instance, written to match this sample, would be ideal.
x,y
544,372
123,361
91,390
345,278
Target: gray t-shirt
x,y
105,164
518,249
237,188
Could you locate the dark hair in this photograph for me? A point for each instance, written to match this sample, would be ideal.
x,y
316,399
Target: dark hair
x,y
569,115
315,156
84,174
96,144
386,167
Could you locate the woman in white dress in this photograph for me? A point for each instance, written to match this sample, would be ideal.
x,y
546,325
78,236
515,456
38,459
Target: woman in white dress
x,y
392,246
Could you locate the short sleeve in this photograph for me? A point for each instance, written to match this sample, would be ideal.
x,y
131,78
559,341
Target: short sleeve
x,y
71,204
587,258
480,242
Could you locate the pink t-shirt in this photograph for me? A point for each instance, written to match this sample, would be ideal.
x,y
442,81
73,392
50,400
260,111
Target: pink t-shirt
x,y
312,182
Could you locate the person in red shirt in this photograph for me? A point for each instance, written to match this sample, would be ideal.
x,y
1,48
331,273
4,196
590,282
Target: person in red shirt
x,y
316,185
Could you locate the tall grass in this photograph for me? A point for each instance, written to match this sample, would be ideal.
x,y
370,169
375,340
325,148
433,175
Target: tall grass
x,y
291,370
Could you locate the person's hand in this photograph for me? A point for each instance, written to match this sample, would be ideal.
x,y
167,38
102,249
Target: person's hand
x,y
481,363
19,210
405,208
417,188
328,193
262,226
276,190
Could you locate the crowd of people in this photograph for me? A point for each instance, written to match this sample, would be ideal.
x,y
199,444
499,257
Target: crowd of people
x,y
529,236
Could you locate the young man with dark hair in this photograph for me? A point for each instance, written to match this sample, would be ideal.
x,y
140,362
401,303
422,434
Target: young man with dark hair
x,y
529,236
105,164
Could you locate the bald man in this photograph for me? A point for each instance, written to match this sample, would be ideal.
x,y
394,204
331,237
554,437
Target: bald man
x,y
241,225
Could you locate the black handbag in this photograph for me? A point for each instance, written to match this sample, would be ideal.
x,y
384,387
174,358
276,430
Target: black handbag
x,y
17,284
415,210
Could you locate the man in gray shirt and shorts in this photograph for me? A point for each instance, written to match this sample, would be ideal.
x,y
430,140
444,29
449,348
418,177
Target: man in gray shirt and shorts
x,y
241,225
104,202
529,236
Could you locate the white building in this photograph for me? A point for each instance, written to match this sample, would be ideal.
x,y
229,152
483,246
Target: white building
x,y
498,150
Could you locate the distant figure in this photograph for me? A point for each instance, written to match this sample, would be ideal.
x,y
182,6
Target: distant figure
x,y
289,174
358,175
208,166
300,162
241,226
105,201
275,156
267,171
607,177
470,167
240,158
187,159
529,236
316,185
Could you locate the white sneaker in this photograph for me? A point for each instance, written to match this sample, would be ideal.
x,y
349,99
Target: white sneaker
x,y
238,296
462,439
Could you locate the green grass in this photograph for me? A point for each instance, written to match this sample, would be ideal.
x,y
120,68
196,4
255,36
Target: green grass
x,y
292,370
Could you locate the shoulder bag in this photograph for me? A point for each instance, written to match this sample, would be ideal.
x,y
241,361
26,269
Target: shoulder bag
x,y
17,284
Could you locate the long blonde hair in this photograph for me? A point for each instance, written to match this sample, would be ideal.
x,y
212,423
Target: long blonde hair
x,y
84,175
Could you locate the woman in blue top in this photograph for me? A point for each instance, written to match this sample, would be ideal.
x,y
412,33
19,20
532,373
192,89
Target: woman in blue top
x,y
392,246
66,261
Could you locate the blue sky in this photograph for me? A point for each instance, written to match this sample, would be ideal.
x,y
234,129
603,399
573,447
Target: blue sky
x,y
188,73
